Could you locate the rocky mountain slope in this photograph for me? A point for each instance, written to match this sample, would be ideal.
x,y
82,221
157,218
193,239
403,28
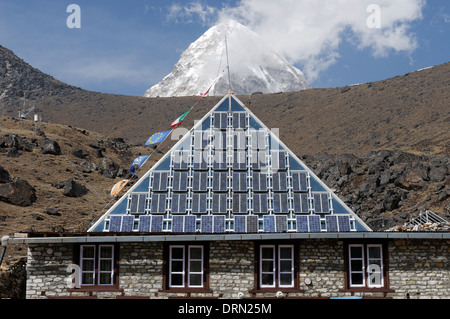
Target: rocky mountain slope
x,y
255,66
383,146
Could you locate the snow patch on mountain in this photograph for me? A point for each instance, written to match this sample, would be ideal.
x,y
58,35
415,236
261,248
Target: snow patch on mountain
x,y
254,66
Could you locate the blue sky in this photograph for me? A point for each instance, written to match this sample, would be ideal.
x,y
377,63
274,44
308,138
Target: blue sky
x,y
125,47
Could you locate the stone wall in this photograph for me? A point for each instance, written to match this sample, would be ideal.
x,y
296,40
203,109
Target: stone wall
x,y
417,269
420,268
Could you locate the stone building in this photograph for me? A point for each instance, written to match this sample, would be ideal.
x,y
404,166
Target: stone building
x,y
231,212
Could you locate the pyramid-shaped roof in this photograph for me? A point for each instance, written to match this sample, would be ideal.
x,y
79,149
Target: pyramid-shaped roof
x,y
229,174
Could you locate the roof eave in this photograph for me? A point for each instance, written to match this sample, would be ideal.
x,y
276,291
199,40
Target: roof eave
x,y
133,238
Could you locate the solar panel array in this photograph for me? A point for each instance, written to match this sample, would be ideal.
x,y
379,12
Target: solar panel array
x,y
231,176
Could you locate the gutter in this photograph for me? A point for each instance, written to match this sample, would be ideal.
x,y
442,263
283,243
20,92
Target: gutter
x,y
130,238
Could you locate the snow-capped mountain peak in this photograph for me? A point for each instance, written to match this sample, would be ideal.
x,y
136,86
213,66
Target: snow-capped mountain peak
x,y
254,66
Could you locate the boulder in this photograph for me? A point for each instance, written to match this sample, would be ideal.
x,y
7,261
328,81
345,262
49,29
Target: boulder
x,y
438,173
13,153
413,176
18,192
80,153
107,167
74,189
4,175
49,146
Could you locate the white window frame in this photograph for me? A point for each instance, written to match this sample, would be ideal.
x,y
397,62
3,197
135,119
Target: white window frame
x,y
359,271
182,272
380,259
291,272
82,270
365,258
112,264
190,272
96,262
261,272
186,270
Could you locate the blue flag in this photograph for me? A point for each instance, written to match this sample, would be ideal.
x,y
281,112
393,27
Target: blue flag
x,y
157,138
139,161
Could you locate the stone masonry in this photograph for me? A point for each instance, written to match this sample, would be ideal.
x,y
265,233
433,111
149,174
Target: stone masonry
x,y
417,269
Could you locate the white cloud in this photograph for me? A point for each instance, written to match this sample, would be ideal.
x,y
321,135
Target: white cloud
x,y
309,32
193,11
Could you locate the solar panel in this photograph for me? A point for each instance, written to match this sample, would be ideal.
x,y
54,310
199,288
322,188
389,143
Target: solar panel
x,y
201,160
220,120
321,204
260,203
127,224
269,224
160,181
179,203
239,203
314,224
177,224
239,181
281,224
259,182
220,160
239,120
219,224
199,202
302,224
181,160
115,223
331,222
279,182
180,180
239,140
219,203
299,182
344,223
138,203
200,182
280,203
144,224
200,139
157,224
252,224
278,159
189,224
259,160
158,203
239,160
301,203
207,224
220,181
220,140
239,224
258,139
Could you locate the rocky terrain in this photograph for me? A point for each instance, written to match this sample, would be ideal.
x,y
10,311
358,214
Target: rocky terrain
x,y
409,112
58,178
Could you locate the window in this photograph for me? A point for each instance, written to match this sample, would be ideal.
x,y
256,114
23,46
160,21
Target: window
x,y
97,265
276,266
187,267
365,266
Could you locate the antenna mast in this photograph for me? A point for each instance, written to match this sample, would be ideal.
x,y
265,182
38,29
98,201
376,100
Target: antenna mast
x,y
228,65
